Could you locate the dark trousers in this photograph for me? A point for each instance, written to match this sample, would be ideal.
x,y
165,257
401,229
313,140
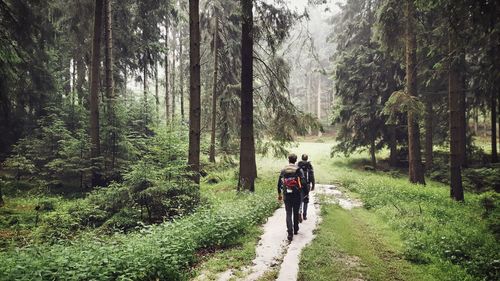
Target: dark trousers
x,y
292,206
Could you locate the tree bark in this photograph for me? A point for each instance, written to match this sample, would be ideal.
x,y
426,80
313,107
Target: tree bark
x,y
462,109
416,173
95,149
108,66
167,107
493,103
181,73
372,150
194,89
214,92
308,94
319,98
456,189
2,203
429,117
393,156
80,80
174,46
248,170
157,94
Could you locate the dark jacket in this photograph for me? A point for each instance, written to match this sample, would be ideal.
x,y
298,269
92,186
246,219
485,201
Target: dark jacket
x,y
291,171
308,171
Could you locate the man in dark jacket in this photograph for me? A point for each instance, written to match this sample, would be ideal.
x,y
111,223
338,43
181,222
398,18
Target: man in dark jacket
x,y
307,170
290,183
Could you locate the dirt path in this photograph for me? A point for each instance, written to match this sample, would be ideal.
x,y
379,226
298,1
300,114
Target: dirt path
x,y
273,249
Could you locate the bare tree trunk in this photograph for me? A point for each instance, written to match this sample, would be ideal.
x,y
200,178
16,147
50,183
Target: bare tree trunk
x,y
108,66
95,149
393,156
308,94
456,189
80,80
194,89
145,88
248,170
372,150
476,120
214,92
462,109
416,173
493,105
429,117
181,73
174,46
157,94
2,203
319,98
167,108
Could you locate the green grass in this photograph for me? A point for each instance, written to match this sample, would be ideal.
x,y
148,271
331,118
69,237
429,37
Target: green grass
x,y
355,244
235,256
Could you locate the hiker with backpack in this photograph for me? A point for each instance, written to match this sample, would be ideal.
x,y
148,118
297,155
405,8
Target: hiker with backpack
x,y
290,184
308,171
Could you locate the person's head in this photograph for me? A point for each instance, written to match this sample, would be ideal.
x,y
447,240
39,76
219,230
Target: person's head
x,y
292,158
305,157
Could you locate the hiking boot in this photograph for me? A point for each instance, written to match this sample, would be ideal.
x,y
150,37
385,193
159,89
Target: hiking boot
x,y
300,217
305,218
290,237
295,232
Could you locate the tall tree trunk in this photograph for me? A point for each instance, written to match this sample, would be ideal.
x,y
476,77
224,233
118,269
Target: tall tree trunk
x,y
429,117
194,89
493,105
319,98
248,170
393,156
372,149
145,88
214,92
125,79
2,203
108,66
416,172
80,80
174,46
167,108
476,120
456,189
181,73
157,94
95,149
308,94
462,110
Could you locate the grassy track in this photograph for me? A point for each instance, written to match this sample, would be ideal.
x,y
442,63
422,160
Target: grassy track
x,y
356,245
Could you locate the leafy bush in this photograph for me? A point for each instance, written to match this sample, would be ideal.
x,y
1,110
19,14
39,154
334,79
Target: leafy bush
x,y
161,252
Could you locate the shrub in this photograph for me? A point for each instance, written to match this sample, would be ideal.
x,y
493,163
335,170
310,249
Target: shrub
x,y
161,252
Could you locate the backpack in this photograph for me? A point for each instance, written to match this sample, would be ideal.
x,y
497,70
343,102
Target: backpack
x,y
291,182
305,166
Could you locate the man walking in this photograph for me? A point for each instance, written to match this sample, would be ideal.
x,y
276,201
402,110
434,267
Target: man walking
x,y
307,170
290,184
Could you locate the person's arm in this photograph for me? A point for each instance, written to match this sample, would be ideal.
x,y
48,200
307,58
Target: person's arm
x,y
280,186
311,176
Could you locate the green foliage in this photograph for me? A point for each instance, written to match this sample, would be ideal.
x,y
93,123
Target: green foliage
x,y
435,229
158,252
401,102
